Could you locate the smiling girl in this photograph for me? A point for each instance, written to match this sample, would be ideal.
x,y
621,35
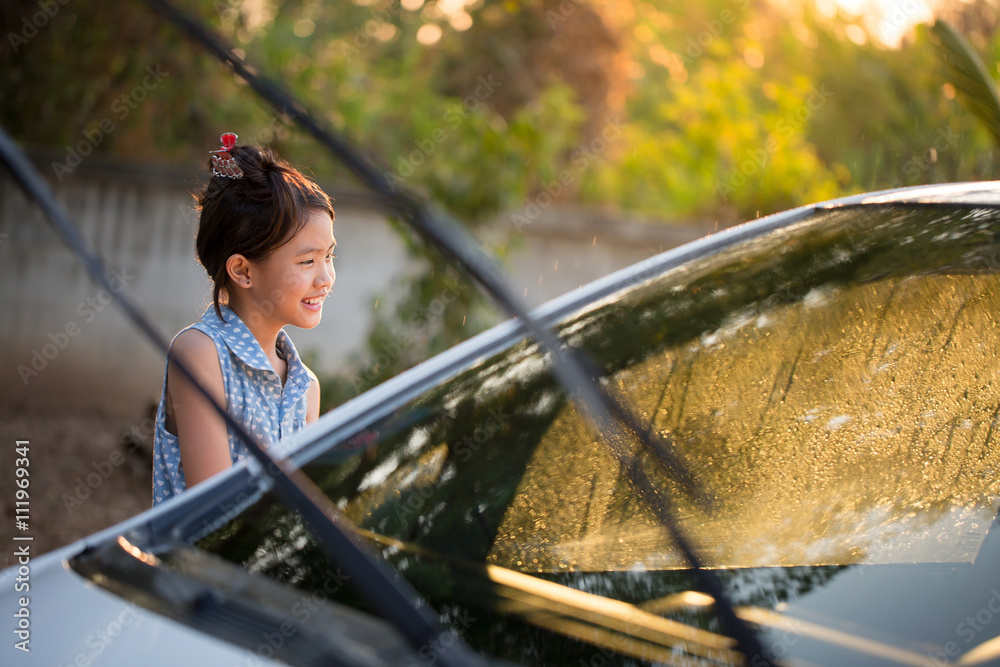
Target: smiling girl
x,y
265,238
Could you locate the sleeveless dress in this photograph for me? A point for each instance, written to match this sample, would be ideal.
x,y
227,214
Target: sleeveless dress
x,y
254,396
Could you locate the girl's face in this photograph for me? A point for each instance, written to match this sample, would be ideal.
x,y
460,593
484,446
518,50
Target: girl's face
x,y
289,287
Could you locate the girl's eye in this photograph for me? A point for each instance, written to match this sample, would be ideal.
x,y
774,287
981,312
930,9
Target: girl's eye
x,y
307,262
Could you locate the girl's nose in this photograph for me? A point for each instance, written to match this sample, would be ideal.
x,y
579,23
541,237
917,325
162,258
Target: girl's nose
x,y
329,275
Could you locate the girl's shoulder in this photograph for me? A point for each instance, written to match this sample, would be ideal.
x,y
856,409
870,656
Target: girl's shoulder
x,y
196,351
194,346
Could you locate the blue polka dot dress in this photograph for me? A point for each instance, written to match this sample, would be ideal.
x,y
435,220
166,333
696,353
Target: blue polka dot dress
x,y
254,396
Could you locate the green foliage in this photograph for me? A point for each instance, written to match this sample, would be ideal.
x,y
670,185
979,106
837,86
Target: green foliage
x,y
716,144
721,113
740,109
891,123
722,109
361,68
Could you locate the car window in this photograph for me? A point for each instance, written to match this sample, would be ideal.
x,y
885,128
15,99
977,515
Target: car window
x,y
833,387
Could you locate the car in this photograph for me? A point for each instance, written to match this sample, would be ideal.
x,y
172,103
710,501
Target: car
x,y
827,376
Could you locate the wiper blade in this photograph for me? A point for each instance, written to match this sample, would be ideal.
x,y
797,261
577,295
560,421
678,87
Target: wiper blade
x,y
212,595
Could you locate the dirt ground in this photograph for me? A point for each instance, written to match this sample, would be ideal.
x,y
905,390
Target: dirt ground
x,y
87,471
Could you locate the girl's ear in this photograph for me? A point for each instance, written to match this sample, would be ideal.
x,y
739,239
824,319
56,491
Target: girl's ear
x,y
238,268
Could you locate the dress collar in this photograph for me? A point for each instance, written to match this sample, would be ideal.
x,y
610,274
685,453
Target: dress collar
x,y
241,341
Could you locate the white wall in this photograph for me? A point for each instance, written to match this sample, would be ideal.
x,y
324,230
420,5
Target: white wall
x,y
62,344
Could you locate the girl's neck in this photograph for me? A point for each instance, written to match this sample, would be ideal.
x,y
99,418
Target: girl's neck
x,y
264,329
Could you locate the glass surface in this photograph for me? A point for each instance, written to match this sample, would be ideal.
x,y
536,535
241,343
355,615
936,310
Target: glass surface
x,y
832,386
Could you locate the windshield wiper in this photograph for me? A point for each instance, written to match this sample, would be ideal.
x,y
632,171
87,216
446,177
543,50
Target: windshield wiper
x,y
212,595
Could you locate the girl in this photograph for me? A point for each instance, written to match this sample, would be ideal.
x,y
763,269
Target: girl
x,y
265,238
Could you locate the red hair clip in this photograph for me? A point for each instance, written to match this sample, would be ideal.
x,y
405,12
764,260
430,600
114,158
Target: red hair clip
x,y
223,163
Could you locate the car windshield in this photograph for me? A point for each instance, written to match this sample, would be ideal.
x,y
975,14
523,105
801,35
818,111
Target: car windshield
x,y
833,387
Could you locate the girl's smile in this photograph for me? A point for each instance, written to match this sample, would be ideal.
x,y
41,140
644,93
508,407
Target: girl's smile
x,y
315,303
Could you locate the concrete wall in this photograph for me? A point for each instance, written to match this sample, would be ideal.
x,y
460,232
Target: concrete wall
x,y
64,345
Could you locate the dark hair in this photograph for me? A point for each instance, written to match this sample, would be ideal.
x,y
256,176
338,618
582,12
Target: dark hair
x,y
253,215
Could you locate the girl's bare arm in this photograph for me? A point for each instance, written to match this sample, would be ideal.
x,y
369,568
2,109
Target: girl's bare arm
x,y
204,441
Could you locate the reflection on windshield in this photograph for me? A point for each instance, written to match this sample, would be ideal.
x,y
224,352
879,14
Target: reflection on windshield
x,y
823,427
833,385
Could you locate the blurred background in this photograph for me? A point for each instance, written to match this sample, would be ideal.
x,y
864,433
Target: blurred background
x,y
573,137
